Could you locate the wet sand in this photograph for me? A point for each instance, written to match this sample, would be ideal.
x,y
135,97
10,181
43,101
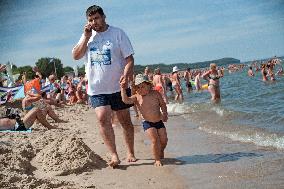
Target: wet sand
x,y
211,161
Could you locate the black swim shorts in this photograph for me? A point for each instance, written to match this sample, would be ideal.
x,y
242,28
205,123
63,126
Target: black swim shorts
x,y
114,100
157,125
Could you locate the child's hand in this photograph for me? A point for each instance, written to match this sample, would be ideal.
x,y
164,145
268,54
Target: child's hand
x,y
164,117
122,82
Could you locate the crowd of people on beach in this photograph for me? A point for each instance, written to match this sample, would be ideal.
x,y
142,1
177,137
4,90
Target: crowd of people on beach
x,y
110,85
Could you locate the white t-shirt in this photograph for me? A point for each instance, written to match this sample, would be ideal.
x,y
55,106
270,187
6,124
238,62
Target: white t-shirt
x,y
105,60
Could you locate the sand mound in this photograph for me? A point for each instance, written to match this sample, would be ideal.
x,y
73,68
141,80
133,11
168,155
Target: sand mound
x,y
16,169
68,155
16,158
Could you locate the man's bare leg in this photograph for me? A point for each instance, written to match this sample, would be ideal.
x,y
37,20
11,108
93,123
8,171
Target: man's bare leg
x,y
104,118
128,132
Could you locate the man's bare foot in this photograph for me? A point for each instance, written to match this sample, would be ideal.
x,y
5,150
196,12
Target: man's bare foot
x,y
131,158
158,163
114,162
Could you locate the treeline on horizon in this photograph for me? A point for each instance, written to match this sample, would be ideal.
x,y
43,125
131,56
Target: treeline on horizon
x,y
167,68
48,66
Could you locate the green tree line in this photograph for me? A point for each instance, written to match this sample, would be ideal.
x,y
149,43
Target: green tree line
x,y
48,66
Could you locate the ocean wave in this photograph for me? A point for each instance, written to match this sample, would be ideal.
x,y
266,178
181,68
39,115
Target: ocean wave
x,y
258,138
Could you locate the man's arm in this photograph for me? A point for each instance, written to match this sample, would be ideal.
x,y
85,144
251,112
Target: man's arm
x,y
80,49
128,71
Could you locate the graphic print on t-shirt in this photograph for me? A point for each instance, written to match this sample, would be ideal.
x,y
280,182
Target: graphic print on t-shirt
x,y
101,56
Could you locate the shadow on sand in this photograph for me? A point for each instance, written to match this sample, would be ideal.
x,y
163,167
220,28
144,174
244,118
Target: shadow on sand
x,y
195,159
216,158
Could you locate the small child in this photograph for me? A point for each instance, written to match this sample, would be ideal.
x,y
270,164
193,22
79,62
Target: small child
x,y
149,102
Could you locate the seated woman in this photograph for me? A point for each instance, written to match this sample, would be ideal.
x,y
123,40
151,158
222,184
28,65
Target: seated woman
x,y
27,122
30,98
72,98
212,76
80,92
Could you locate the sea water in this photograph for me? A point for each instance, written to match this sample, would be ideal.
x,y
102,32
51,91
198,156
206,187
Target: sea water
x,y
250,110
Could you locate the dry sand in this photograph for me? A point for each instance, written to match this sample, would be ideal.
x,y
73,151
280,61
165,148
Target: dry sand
x,y
74,156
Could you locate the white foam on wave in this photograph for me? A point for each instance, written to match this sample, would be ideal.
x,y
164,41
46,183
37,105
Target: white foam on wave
x,y
218,110
177,108
259,139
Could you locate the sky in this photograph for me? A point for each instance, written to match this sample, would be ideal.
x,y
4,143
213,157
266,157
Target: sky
x,y
161,31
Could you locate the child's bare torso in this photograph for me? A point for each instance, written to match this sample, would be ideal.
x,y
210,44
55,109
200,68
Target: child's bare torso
x,y
149,106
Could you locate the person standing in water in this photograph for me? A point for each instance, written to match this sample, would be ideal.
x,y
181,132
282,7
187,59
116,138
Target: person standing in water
x,y
213,77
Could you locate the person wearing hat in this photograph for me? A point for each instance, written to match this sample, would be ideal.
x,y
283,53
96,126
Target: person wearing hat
x,y
150,103
177,85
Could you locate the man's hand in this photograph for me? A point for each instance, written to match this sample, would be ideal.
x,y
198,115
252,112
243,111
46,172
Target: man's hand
x,y
88,30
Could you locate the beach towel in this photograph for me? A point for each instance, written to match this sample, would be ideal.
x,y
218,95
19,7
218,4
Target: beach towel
x,y
13,131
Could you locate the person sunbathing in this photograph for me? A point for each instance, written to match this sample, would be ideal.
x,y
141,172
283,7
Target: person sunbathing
x,y
17,124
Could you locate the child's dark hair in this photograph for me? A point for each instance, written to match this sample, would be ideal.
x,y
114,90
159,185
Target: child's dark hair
x,y
93,10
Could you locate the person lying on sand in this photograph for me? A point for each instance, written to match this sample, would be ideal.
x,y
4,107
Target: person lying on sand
x,y
15,123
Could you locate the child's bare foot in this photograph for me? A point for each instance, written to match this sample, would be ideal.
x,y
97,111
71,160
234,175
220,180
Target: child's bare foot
x,y
131,158
114,162
158,163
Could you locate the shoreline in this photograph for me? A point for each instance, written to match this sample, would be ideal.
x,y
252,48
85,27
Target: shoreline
x,y
212,161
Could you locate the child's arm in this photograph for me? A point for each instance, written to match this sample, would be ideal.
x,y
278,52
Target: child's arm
x,y
125,98
163,107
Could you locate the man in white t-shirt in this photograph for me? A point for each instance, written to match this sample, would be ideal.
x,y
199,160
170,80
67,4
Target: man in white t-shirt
x,y
109,57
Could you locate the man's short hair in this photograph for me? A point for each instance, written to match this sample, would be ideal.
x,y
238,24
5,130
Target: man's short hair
x,y
93,10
